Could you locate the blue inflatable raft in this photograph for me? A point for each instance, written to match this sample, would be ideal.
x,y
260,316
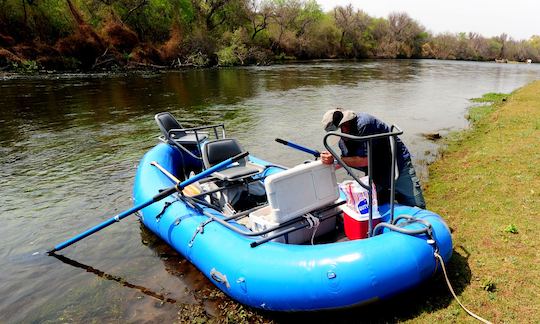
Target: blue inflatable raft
x,y
274,265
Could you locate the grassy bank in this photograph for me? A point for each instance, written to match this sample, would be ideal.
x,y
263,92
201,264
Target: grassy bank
x,y
487,186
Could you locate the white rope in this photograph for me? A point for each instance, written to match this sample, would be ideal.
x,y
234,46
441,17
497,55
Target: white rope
x,y
313,222
438,256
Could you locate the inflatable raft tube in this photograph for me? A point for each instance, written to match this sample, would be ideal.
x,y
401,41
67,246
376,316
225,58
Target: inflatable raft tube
x,y
286,277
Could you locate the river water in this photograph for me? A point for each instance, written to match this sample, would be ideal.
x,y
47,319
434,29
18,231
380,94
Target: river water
x,y
70,144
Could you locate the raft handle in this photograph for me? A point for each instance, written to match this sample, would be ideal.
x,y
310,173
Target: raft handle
x,y
219,277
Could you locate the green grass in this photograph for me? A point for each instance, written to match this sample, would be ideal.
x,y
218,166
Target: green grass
x,y
488,102
487,186
26,66
492,97
477,113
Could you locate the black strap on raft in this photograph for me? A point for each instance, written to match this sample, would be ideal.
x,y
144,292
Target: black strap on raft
x,y
165,206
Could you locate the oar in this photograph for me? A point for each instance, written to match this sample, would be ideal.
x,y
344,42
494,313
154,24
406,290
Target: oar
x,y
165,193
299,147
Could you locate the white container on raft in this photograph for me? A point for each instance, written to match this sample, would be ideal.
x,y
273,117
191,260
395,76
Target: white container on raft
x,y
300,190
259,220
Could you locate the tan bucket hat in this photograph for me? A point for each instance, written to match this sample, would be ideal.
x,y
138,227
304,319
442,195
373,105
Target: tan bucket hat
x,y
334,118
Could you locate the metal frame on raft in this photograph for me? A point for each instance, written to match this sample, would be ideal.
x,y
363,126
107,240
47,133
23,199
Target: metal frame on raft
x,y
394,132
394,224
198,136
198,204
195,203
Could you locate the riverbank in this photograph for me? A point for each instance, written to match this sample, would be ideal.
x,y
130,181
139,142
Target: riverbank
x,y
487,186
12,66
96,36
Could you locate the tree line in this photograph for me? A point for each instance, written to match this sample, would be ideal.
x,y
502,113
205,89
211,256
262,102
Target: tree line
x,y
105,34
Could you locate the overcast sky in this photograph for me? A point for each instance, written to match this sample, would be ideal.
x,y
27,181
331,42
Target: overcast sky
x,y
519,19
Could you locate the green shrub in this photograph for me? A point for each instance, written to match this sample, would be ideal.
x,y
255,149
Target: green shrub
x,y
512,228
492,97
488,284
235,53
487,101
477,113
28,66
226,57
198,59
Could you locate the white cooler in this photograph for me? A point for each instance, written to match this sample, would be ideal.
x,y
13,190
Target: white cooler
x,y
296,192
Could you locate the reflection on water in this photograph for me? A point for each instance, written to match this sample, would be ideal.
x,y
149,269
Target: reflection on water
x,y
69,146
111,277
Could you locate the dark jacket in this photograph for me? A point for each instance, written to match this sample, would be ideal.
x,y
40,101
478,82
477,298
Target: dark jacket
x,y
381,154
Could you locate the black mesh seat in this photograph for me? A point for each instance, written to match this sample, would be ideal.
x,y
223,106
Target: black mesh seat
x,y
175,134
219,150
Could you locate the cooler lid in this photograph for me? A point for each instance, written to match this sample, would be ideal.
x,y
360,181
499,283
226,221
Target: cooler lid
x,y
301,189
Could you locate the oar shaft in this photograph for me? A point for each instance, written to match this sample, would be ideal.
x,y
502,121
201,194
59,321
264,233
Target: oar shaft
x,y
112,220
299,147
100,226
165,193
165,172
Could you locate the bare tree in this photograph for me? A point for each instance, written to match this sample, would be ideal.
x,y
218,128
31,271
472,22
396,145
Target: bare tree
x,y
285,14
258,14
503,40
352,24
405,32
344,17
444,46
384,47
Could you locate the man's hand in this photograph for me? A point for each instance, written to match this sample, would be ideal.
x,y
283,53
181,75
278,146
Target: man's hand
x,y
327,158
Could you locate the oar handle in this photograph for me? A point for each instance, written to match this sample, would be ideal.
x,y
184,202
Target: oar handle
x,y
281,141
239,156
299,147
165,193
209,171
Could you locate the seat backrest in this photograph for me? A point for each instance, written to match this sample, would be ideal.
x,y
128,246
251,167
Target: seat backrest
x,y
221,149
166,122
